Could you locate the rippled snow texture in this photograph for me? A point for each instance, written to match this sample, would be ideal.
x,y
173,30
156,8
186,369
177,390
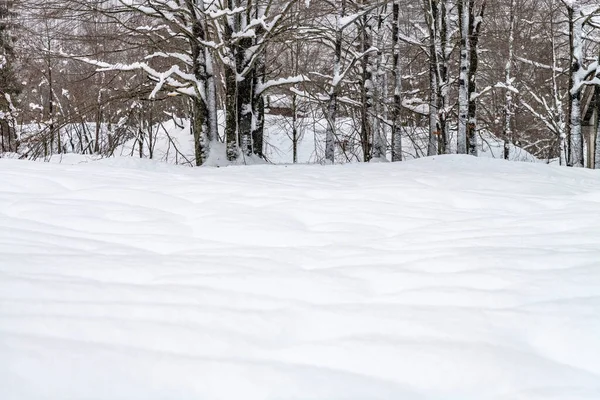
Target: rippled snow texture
x,y
447,278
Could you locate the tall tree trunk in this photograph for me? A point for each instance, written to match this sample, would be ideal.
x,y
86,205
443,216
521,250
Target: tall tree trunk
x,y
51,111
332,106
397,74
367,86
295,57
508,96
379,137
597,130
294,128
576,137
474,34
258,101
98,126
464,18
244,109
245,88
231,26
210,88
556,97
204,122
431,19
596,134
442,73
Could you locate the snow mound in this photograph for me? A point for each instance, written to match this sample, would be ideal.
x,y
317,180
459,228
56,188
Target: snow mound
x,y
443,278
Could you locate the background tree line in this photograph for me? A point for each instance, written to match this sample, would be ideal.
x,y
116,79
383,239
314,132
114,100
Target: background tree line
x,y
84,76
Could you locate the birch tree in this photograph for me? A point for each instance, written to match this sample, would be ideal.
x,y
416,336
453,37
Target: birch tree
x,y
580,15
437,19
470,23
464,17
508,82
9,86
396,123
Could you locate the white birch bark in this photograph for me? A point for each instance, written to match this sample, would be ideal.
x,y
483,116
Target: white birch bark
x,y
379,137
508,105
463,94
331,113
432,17
576,137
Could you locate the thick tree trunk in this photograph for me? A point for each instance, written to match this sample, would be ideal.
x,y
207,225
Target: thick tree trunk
x,y
245,89
204,107
231,136
8,137
244,114
210,88
474,34
259,126
198,125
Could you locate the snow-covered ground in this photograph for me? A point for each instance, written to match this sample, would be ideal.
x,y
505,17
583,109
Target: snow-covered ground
x,y
174,144
448,278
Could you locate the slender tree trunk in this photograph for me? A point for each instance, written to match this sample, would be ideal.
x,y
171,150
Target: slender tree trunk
x,y
258,113
258,101
97,129
558,104
295,56
576,137
230,74
431,11
442,73
596,134
51,126
244,111
463,81
597,131
508,97
332,106
367,86
379,137
397,74
294,129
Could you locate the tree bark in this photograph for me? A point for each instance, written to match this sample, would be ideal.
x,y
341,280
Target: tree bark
x,y
397,74
576,139
464,17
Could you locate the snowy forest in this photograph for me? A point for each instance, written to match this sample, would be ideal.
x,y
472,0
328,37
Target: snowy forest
x,y
243,80
300,200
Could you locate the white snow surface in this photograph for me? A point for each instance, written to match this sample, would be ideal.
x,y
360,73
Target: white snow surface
x,y
446,278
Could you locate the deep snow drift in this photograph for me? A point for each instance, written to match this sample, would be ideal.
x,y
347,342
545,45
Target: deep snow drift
x,y
446,278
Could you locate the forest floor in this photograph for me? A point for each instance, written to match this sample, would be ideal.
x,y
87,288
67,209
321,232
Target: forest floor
x,y
444,278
